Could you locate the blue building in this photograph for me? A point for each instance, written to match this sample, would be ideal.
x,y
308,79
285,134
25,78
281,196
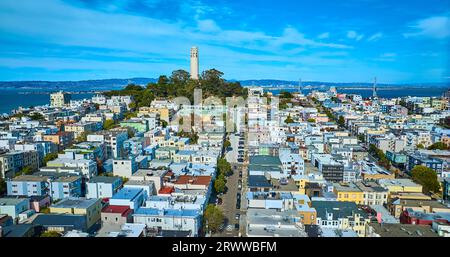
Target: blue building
x,y
128,196
424,160
386,108
396,158
102,187
446,193
66,186
170,220
14,206
56,185
134,146
27,185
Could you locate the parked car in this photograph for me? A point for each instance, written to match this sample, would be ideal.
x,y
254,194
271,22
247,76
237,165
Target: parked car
x,y
240,174
219,201
284,181
236,226
237,216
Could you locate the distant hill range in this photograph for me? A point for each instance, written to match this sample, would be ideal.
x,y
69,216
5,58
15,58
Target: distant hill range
x,y
281,83
100,85
109,84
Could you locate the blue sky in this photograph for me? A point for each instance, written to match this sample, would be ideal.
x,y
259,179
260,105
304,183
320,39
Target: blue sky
x,y
341,41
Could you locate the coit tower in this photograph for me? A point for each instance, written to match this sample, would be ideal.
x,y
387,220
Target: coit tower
x,y
194,62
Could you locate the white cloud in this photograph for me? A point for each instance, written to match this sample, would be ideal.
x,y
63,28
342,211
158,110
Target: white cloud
x,y
351,34
354,35
434,27
293,36
148,41
375,36
207,26
324,35
388,55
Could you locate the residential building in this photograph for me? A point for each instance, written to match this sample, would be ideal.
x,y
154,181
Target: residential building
x,y
89,208
59,99
14,206
128,196
340,215
102,187
170,220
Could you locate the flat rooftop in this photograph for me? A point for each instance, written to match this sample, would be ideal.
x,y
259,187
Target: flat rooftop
x,y
290,186
127,193
258,181
194,180
151,172
397,182
403,230
11,201
419,203
78,203
30,178
265,160
167,212
273,231
350,187
339,209
104,179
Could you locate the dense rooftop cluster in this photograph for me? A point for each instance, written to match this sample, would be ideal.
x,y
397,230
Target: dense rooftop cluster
x,y
326,164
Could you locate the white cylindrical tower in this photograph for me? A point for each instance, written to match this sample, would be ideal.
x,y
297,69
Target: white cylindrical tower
x,y
194,62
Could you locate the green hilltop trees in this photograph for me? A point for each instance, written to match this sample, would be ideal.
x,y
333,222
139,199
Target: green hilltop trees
x,y
180,84
108,124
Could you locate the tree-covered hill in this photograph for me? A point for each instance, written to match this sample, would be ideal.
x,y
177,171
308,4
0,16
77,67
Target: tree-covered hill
x,y
179,84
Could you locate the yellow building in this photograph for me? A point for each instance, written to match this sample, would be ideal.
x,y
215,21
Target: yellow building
x,y
300,182
348,193
164,113
400,185
425,206
377,176
91,208
340,215
308,215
